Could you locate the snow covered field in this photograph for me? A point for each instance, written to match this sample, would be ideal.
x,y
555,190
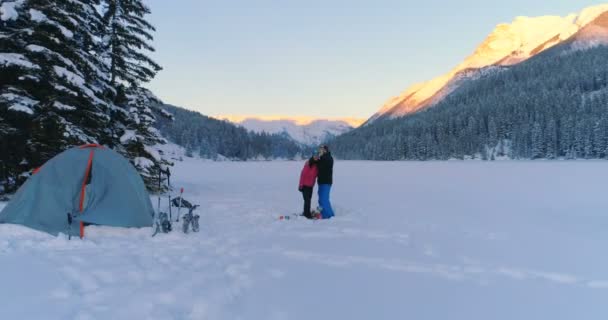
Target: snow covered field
x,y
436,240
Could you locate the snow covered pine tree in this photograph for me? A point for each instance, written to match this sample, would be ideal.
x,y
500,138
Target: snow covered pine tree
x,y
71,72
52,85
125,42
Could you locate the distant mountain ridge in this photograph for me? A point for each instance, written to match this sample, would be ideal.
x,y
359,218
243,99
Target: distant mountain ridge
x,y
507,45
308,131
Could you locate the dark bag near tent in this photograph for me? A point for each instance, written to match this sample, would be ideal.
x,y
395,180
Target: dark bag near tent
x,y
184,203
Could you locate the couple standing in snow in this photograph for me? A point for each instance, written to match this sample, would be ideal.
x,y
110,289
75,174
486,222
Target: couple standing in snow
x,y
320,168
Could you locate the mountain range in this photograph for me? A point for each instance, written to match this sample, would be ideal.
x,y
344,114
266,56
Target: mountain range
x,y
507,45
541,99
308,131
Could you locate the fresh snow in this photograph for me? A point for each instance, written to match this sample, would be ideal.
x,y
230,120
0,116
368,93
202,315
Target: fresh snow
x,y
72,77
41,49
40,17
19,103
590,14
434,240
153,152
62,106
8,10
70,130
29,77
128,136
142,162
76,80
64,89
21,108
16,59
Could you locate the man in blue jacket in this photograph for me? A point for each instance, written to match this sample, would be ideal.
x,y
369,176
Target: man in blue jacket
x,y
325,180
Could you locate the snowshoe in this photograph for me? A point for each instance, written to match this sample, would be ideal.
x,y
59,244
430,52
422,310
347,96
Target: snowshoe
x,y
186,223
191,221
165,224
195,225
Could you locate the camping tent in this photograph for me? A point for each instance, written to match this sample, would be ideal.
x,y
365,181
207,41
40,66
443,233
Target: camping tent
x,y
92,183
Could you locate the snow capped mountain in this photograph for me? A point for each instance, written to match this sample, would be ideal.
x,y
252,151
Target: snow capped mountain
x,y
507,45
305,130
593,34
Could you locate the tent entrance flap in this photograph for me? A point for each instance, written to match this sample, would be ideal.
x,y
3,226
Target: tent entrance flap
x,y
83,190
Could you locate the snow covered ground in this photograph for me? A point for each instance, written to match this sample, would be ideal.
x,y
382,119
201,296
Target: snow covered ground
x,y
436,240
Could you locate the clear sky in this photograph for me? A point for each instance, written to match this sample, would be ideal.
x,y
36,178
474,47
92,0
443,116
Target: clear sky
x,y
322,58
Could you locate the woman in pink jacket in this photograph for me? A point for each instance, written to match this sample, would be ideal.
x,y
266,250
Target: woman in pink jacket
x,y
307,184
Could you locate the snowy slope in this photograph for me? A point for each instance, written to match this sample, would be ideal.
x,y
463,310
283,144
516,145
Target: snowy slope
x,y
505,240
508,44
593,34
305,130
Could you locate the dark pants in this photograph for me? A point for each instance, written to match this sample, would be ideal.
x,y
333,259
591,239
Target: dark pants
x,y
307,195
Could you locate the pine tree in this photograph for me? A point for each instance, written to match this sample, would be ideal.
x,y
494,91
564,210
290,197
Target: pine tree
x,y
53,84
63,85
140,137
551,140
127,37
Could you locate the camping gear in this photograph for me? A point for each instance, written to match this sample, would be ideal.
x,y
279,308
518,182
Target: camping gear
x,y
94,184
162,220
191,220
179,201
194,221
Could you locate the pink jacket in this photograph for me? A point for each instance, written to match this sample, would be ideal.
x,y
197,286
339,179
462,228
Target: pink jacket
x,y
308,176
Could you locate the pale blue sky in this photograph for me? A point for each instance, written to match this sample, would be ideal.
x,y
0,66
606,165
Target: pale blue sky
x,y
324,58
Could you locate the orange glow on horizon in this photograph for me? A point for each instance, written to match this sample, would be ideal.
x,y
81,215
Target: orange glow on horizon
x,y
299,120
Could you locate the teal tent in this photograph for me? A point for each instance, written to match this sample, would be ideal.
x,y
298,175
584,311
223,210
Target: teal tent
x,y
94,184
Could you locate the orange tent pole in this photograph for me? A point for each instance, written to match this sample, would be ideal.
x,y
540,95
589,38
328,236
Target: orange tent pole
x,y
91,145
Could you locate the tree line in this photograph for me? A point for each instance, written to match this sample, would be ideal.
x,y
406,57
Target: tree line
x,y
211,138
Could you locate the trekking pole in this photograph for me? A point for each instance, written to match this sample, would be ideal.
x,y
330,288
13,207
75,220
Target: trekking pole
x,y
170,214
179,208
159,186
169,193
156,222
168,173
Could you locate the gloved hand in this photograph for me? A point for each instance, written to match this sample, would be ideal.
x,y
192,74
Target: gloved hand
x,y
300,188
